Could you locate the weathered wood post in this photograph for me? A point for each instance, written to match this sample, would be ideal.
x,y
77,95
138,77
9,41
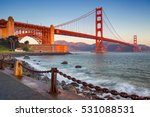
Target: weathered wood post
x,y
1,64
18,69
53,87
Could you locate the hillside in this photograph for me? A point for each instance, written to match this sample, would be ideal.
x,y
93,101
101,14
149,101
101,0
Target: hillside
x,y
111,47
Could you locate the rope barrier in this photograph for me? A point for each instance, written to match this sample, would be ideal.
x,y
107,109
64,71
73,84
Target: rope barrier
x,y
98,89
104,90
35,71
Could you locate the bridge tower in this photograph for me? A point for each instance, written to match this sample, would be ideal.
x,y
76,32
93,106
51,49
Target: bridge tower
x,y
99,31
135,48
6,27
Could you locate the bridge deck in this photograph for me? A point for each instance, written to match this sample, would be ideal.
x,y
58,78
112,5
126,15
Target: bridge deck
x,y
88,36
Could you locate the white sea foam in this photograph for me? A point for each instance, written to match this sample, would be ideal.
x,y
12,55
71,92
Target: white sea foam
x,y
110,75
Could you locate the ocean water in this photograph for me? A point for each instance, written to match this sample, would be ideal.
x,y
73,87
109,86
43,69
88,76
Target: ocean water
x,y
128,72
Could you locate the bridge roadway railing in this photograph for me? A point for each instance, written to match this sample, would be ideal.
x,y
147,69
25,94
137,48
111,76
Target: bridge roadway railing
x,y
54,71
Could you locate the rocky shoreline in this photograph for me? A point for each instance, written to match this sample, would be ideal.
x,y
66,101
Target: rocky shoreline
x,y
86,90
72,87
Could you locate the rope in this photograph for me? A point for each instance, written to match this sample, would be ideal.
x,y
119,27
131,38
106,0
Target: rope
x,y
104,90
97,88
35,71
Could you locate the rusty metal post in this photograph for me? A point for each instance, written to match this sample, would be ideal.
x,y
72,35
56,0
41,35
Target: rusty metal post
x,y
18,72
53,87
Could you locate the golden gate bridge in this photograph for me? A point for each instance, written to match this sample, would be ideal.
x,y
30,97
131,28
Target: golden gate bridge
x,y
45,35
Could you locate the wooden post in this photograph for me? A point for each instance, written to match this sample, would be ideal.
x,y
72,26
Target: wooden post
x,y
18,70
1,64
53,89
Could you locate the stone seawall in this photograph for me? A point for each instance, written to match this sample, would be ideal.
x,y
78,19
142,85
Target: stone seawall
x,y
16,54
50,48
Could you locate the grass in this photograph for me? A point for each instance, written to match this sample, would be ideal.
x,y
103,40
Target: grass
x,y
4,49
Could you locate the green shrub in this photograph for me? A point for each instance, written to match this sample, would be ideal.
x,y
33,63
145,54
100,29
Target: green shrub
x,y
25,49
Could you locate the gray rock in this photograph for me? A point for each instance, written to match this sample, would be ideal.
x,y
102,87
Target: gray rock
x,y
85,88
78,90
98,98
82,95
110,98
88,95
95,97
75,84
107,96
58,83
63,83
70,88
64,62
78,66
45,78
117,97
26,57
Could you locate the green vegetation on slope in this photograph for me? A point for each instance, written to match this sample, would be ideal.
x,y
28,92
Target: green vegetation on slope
x,y
4,49
9,44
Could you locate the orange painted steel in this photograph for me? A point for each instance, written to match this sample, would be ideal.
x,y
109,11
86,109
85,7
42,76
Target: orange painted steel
x,y
42,32
45,35
135,48
88,36
36,37
99,30
62,32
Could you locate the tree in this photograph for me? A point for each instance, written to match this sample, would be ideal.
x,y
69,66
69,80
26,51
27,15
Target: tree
x,y
5,43
13,41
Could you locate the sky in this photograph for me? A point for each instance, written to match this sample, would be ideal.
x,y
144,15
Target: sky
x,y
129,17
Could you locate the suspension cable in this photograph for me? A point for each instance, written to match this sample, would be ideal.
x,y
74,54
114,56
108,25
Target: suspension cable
x,y
112,26
77,19
110,29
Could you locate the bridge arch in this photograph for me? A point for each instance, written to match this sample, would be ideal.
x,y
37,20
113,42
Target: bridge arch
x,y
37,38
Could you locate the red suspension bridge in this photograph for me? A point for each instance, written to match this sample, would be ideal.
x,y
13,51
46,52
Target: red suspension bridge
x,y
45,35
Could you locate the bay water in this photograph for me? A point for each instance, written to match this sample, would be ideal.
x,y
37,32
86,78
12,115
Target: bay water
x,y
127,72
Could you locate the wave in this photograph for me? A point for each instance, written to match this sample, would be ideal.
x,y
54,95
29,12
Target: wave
x,y
105,78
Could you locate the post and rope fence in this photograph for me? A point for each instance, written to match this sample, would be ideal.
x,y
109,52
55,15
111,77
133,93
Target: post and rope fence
x,y
54,89
18,72
1,64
